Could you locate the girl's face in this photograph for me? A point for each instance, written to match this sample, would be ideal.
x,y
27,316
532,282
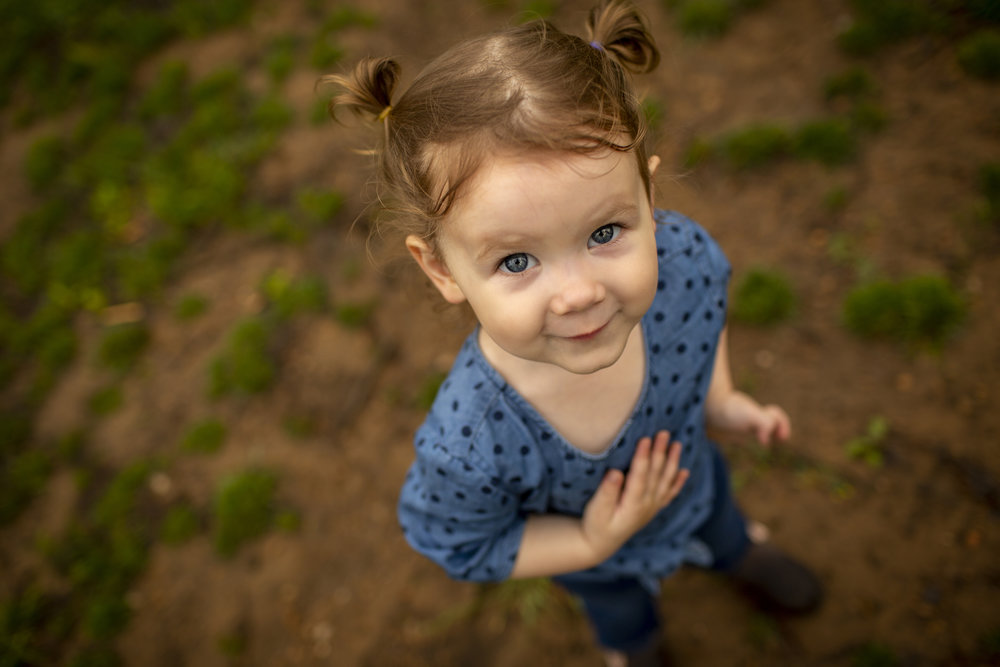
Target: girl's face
x,y
554,253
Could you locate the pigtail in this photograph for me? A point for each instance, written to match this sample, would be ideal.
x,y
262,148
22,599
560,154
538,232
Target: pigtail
x,y
367,90
618,28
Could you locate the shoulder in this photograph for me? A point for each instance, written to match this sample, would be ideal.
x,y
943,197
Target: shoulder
x,y
472,421
681,240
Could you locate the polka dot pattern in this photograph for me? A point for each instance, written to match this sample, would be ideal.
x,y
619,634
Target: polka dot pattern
x,y
486,459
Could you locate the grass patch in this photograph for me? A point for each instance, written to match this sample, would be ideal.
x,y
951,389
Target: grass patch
x,y
180,524
874,654
853,83
244,509
989,187
756,145
763,297
204,437
319,206
923,310
190,307
355,315
104,401
708,18
290,296
122,346
829,141
979,55
244,366
22,478
867,447
880,23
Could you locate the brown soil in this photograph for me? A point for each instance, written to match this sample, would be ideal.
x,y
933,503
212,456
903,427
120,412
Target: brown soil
x,y
909,552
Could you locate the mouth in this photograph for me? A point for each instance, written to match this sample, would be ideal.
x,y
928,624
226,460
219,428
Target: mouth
x,y
589,335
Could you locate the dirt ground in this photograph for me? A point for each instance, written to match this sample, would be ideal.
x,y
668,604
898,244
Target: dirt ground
x,y
909,551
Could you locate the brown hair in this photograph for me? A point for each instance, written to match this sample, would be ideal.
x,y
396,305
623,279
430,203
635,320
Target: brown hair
x,y
530,87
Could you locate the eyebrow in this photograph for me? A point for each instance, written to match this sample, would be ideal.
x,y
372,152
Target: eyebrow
x,y
494,241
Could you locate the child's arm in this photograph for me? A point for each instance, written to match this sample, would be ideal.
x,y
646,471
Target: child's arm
x,y
732,410
621,506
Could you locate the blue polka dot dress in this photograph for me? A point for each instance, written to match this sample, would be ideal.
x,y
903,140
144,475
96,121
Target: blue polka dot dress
x,y
485,458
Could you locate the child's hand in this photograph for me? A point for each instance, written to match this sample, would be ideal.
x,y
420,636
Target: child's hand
x,y
738,412
654,479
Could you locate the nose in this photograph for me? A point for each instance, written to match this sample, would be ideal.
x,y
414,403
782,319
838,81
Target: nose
x,y
576,289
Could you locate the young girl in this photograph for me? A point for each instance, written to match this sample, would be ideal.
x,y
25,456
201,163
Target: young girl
x,y
569,439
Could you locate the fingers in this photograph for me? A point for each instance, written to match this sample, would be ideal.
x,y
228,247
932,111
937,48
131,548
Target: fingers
x,y
774,423
654,477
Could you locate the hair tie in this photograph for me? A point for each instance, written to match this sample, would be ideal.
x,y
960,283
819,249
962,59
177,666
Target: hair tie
x,y
385,113
597,45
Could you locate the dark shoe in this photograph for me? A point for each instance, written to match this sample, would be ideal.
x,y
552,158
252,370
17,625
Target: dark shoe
x,y
777,581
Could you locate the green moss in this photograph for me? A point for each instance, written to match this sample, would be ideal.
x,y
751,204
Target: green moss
x,y
836,199
879,23
705,17
867,447
979,55
279,60
243,509
989,187
830,142
180,524
756,145
922,310
868,116
22,479
190,307
428,390
874,654
122,346
653,110
105,616
44,163
355,315
347,16
698,152
204,437
319,206
763,297
168,93
244,366
853,83
104,401
290,296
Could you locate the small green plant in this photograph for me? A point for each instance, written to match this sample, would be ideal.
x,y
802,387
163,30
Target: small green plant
x,y
526,597
22,478
705,17
879,23
122,346
180,524
44,162
868,447
168,94
756,145
355,315
243,509
428,390
835,200
190,306
244,366
279,60
989,186
204,437
299,426
290,296
854,83
104,401
319,206
867,116
830,142
874,654
979,55
922,310
763,297
654,111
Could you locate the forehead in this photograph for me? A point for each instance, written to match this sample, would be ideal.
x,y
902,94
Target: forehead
x,y
531,196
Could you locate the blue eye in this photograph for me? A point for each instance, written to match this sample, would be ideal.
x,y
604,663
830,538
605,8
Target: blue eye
x,y
605,234
517,263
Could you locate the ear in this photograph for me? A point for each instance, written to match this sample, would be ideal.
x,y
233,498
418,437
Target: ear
x,y
435,268
654,164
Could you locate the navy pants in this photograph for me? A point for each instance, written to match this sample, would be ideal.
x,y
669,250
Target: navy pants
x,y
622,611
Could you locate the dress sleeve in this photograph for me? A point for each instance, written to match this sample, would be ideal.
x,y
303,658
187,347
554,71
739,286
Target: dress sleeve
x,y
456,513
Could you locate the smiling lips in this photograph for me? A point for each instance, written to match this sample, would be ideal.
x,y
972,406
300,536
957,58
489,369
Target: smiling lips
x,y
588,336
